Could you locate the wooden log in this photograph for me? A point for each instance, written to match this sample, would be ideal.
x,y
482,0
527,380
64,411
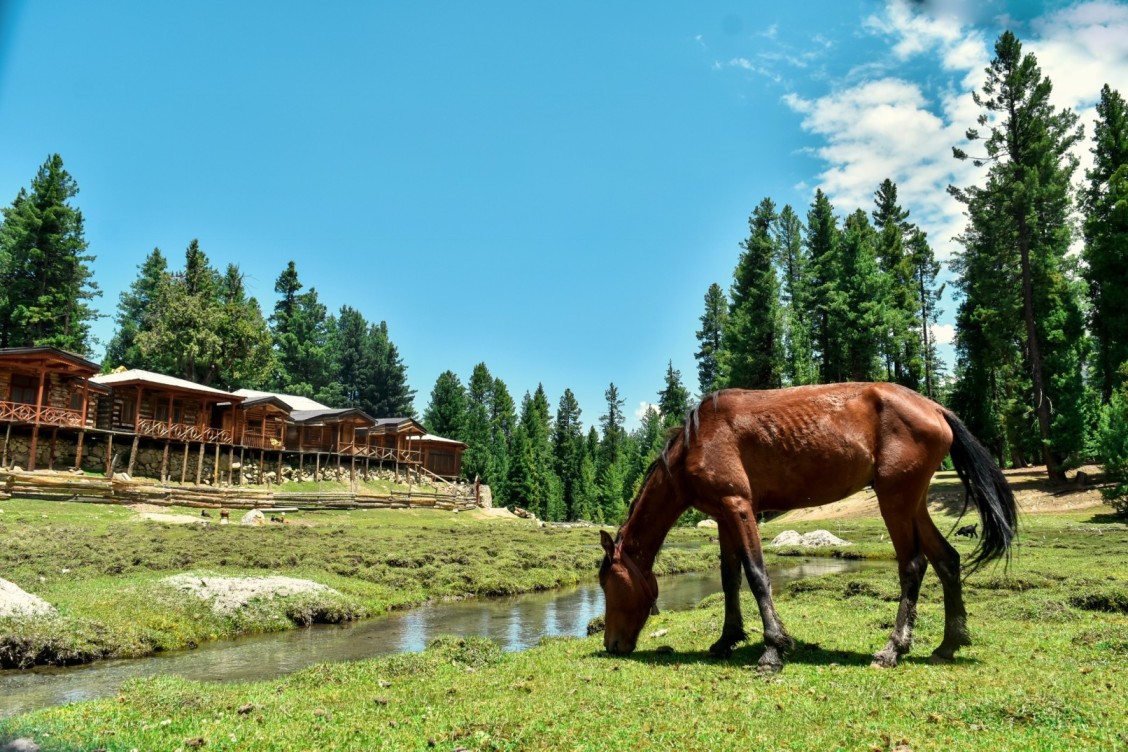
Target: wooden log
x,y
7,438
184,464
200,464
164,464
215,469
133,455
78,449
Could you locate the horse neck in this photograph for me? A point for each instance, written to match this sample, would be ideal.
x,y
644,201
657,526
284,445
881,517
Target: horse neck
x,y
653,514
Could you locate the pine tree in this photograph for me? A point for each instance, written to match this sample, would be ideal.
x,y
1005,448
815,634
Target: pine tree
x,y
182,336
753,344
300,329
135,308
611,473
568,450
1106,240
387,394
901,346
791,257
503,418
446,414
822,241
711,336
925,269
477,460
46,284
673,400
244,357
353,366
859,298
1030,168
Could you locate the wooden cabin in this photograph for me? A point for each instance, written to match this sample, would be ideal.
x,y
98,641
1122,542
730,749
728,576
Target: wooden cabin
x,y
439,456
258,422
387,440
164,407
45,387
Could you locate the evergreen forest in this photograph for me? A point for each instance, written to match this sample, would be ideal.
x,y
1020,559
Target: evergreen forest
x,y
818,294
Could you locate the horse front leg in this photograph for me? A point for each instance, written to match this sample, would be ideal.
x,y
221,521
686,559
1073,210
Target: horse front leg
x,y
742,519
733,630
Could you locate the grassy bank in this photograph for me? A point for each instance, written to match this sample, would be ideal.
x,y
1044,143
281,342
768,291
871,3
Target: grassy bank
x,y
102,567
1049,670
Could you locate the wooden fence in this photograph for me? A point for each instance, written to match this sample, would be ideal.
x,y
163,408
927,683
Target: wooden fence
x,y
74,487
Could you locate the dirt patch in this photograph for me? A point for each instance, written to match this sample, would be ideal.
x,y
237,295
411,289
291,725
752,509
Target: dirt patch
x,y
1032,491
232,593
494,513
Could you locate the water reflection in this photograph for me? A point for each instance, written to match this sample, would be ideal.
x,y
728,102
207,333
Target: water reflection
x,y
516,623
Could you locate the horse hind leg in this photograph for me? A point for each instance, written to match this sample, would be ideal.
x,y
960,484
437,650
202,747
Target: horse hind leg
x,y
911,566
946,560
733,630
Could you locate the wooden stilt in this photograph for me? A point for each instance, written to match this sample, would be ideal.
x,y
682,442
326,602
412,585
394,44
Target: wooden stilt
x,y
262,465
7,438
184,465
352,470
240,466
109,455
164,463
301,463
230,465
317,467
215,470
51,450
278,477
78,450
133,456
200,465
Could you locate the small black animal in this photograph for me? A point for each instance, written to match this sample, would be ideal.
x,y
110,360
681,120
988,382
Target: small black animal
x,y
204,513
968,531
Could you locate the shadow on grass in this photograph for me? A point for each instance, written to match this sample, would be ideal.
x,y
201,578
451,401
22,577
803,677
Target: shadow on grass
x,y
748,654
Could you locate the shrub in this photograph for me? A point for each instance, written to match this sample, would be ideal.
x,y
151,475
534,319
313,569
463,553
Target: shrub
x,y
1114,450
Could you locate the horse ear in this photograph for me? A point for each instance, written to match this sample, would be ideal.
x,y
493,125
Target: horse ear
x,y
608,544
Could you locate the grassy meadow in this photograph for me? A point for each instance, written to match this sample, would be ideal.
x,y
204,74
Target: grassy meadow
x,y
1048,670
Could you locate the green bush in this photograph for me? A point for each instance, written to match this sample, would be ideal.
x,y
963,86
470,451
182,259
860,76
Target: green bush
x,y
1114,450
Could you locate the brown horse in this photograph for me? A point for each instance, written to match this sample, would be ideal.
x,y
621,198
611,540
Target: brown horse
x,y
746,452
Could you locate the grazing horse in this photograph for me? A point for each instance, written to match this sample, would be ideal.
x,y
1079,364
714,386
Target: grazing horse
x,y
746,452
968,531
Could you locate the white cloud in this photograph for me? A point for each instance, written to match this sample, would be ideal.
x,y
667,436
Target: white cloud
x,y
1082,48
943,334
644,407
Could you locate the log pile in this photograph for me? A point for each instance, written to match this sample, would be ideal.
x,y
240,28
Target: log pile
x,y
121,489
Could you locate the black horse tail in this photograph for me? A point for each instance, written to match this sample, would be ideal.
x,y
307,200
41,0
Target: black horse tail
x,y
985,483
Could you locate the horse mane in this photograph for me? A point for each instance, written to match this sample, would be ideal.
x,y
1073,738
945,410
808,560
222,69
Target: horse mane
x,y
690,425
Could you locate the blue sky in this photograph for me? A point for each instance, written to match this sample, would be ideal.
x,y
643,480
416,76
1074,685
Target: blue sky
x,y
546,188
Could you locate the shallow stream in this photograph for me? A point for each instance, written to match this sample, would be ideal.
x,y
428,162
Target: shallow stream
x,y
516,623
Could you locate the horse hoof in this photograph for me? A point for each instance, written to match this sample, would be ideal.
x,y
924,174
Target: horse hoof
x,y
720,651
884,660
939,658
767,669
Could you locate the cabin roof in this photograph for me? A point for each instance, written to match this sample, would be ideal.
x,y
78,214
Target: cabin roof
x,y
50,356
139,377
433,439
329,415
293,401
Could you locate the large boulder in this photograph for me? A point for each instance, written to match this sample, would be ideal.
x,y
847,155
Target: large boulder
x,y
14,601
813,539
253,517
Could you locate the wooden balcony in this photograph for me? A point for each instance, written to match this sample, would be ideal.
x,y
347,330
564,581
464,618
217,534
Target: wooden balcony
x,y
17,412
162,429
259,440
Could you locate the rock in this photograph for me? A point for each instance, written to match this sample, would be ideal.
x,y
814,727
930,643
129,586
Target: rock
x,y
253,517
813,539
707,523
231,593
787,538
20,745
122,476
14,601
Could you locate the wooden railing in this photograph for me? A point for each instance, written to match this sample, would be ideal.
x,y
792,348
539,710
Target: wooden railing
x,y
162,429
17,412
260,440
407,456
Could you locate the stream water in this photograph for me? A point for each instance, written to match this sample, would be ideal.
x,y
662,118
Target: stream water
x,y
516,623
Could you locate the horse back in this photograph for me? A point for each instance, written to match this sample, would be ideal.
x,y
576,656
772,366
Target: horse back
x,y
808,446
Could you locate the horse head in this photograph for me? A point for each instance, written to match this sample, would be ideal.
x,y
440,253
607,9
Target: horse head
x,y
631,596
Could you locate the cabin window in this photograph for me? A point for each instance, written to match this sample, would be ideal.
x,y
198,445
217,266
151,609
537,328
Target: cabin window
x,y
160,411
25,389
76,401
128,410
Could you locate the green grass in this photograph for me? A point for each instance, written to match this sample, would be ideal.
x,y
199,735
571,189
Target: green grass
x,y
101,567
1048,671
